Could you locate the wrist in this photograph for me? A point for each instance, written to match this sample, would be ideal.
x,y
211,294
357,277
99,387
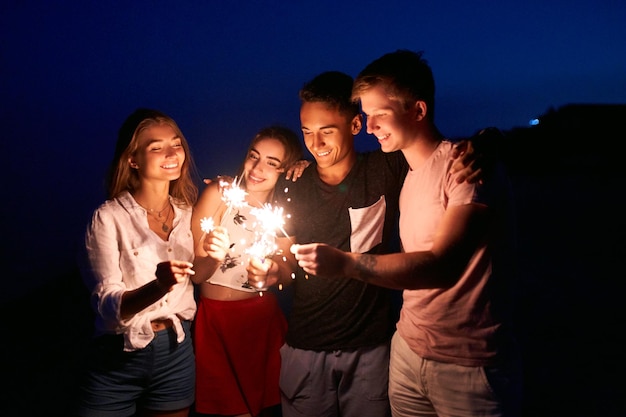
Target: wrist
x,y
160,288
349,264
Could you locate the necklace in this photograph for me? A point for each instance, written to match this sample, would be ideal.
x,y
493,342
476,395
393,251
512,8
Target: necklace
x,y
164,226
159,215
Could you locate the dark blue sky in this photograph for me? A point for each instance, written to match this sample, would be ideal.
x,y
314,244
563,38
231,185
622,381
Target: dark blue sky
x,y
72,71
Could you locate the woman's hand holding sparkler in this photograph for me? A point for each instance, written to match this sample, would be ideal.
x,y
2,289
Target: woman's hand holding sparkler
x,y
170,273
211,250
262,273
216,243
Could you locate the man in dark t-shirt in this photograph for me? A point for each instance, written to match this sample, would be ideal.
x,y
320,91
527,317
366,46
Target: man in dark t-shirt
x,y
336,358
358,215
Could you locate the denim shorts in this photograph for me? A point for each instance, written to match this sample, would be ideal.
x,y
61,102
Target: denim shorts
x,y
159,377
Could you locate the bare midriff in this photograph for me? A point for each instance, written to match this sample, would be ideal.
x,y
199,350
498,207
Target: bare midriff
x,y
219,292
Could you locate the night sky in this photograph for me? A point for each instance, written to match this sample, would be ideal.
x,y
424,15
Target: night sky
x,y
73,70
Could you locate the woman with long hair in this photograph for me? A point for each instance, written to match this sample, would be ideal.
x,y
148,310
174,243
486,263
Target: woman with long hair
x,y
238,333
139,253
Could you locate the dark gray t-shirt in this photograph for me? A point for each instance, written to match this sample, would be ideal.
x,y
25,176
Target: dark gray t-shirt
x,y
358,215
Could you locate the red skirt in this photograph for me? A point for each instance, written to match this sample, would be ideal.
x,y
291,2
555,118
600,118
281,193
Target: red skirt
x,y
237,347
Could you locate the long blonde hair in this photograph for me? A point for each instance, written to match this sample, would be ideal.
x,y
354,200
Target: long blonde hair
x,y
122,178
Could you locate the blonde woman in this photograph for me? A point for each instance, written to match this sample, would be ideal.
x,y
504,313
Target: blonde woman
x,y
139,253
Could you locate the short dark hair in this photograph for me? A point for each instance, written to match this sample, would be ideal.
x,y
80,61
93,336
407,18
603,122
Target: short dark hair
x,y
333,88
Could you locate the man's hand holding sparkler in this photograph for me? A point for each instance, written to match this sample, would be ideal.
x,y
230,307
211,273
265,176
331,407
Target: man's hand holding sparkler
x,y
322,260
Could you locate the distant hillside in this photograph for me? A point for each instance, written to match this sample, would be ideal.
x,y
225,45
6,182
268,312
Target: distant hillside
x,y
574,137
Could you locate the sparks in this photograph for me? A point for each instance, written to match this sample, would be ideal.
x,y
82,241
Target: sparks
x,y
270,218
207,224
232,194
268,221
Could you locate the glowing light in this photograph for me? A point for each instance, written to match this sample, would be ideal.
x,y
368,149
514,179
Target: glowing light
x,y
268,221
270,218
232,194
207,224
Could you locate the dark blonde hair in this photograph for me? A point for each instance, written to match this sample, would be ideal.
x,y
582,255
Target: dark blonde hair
x,y
404,75
122,178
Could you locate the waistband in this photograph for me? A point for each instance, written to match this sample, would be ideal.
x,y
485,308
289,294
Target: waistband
x,y
161,324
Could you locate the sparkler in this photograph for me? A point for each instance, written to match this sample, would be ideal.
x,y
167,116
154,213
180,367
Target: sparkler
x,y
207,224
232,195
269,220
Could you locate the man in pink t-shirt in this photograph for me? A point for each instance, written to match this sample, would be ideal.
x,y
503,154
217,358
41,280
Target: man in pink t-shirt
x,y
454,352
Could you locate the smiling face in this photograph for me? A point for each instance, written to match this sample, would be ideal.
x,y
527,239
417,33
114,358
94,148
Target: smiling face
x,y
329,135
263,166
160,154
386,119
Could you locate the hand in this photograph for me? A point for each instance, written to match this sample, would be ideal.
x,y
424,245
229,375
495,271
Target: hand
x,y
262,273
216,243
295,171
170,273
226,178
320,259
475,158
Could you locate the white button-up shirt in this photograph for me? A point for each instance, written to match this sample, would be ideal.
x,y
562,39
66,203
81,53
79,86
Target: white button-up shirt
x,y
122,254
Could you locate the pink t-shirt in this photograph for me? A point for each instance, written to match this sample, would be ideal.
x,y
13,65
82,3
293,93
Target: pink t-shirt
x,y
453,324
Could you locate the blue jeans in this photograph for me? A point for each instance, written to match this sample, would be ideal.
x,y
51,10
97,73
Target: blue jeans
x,y
422,387
336,383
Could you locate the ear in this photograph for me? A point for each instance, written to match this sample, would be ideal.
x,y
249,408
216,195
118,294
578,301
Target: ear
x,y
356,124
132,163
420,110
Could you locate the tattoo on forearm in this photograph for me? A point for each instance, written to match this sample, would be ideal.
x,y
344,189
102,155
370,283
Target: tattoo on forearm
x,y
364,267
